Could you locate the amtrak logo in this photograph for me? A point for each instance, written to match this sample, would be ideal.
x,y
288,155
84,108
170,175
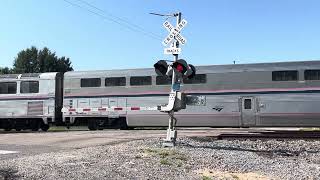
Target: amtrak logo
x,y
218,108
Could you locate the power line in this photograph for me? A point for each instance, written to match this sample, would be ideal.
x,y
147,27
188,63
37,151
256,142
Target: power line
x,y
125,20
115,19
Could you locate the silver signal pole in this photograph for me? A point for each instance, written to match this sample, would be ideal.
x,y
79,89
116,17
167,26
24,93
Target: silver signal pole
x,y
171,132
177,99
175,83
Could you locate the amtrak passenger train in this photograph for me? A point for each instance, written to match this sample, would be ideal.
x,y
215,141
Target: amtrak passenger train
x,y
284,94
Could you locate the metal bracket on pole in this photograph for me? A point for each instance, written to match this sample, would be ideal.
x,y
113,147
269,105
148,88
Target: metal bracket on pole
x,y
169,107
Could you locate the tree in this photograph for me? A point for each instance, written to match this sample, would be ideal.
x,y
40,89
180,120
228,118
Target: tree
x,y
26,62
32,60
5,70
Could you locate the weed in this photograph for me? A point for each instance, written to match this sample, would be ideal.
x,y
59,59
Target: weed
x,y
167,156
179,164
206,178
148,150
165,162
181,157
164,153
234,176
310,129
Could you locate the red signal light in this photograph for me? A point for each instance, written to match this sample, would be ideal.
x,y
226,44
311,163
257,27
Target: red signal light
x,y
180,68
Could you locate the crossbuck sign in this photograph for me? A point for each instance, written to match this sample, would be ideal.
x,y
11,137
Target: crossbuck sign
x,y
174,33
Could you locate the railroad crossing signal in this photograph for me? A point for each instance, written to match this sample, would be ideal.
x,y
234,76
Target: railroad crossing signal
x,y
180,67
174,32
176,71
161,67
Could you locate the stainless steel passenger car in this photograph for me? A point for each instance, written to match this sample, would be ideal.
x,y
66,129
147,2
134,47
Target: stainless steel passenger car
x,y
243,95
30,101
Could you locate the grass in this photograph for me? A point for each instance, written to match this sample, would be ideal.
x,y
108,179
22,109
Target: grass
x,y
63,128
167,156
234,176
165,162
310,129
151,128
148,150
164,154
206,178
181,157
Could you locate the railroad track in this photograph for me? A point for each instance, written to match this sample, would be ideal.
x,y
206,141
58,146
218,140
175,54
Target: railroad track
x,y
271,135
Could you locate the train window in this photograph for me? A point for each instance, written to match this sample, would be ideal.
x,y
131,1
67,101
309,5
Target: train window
x,y
312,74
284,75
9,76
29,87
140,80
90,82
29,75
115,81
163,80
197,79
247,103
8,88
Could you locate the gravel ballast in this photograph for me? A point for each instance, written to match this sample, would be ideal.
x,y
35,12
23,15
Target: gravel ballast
x,y
192,158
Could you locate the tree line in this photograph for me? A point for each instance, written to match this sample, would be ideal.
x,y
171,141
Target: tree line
x,y
33,60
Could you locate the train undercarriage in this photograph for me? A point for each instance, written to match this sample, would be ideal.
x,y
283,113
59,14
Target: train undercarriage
x,y
36,124
19,124
99,123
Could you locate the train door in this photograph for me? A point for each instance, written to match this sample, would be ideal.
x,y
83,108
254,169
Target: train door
x,y
248,111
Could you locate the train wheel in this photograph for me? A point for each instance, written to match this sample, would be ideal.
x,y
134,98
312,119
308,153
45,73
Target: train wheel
x,y
34,125
123,123
92,124
8,125
100,124
44,127
19,125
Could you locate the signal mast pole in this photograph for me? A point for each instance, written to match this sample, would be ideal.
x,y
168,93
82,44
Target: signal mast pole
x,y
176,45
178,69
171,132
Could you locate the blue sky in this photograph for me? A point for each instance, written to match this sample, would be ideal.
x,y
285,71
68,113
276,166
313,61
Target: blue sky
x,y
218,31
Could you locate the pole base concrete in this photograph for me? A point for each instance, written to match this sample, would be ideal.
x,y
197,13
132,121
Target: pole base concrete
x,y
170,141
168,144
